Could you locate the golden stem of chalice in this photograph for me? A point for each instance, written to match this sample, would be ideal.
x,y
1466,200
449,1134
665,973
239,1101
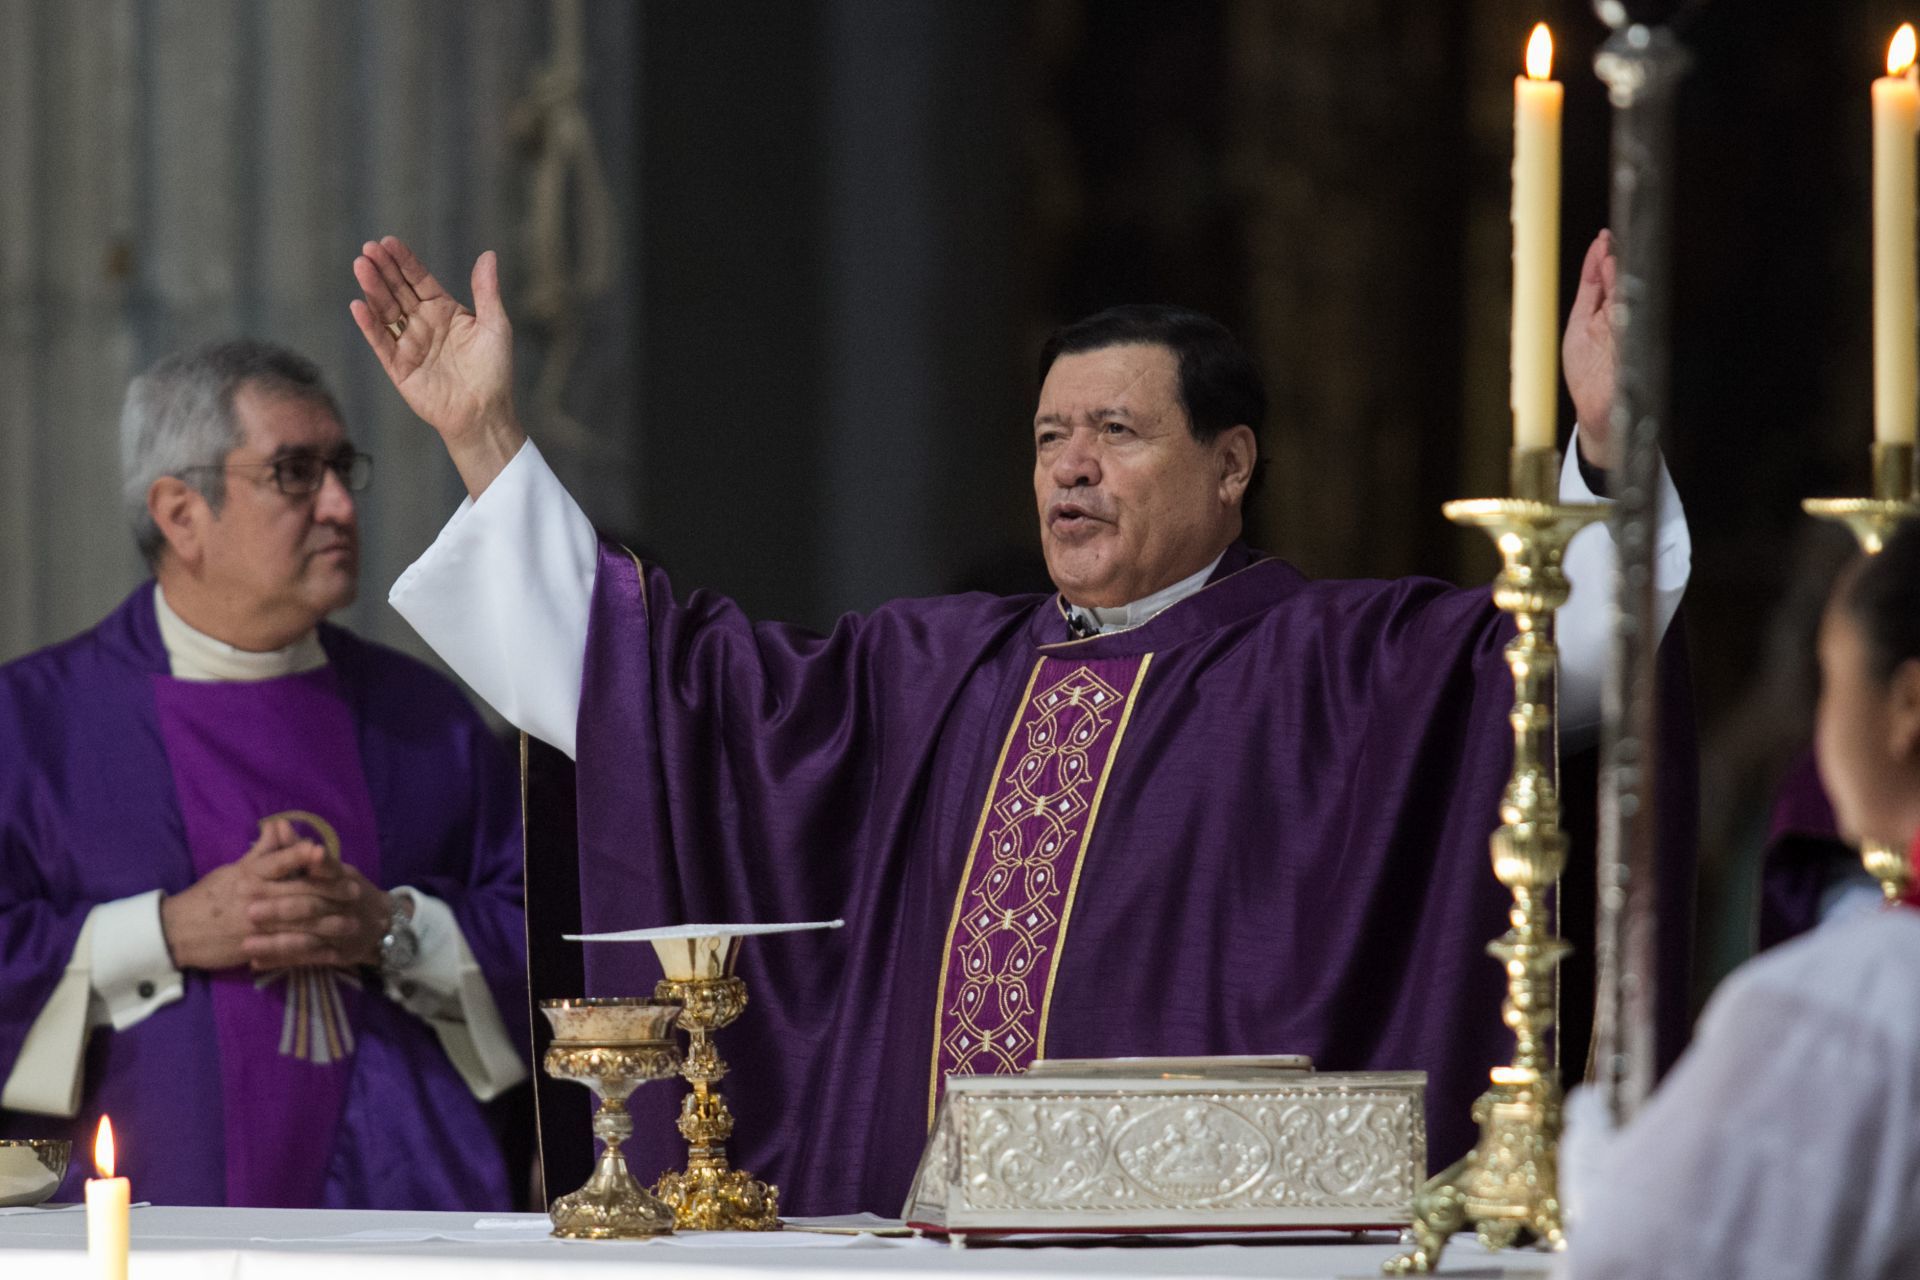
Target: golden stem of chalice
x,y
709,1195
1872,521
1508,1185
612,1046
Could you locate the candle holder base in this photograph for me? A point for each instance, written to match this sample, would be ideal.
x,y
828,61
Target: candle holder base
x,y
1505,1186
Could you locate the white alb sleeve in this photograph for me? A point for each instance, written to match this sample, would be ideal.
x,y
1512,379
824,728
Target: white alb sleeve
x,y
46,1077
120,973
133,973
504,593
445,988
1580,628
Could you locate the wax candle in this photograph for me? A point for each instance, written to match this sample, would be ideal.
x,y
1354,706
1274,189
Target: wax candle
x,y
1896,362
108,1199
1536,247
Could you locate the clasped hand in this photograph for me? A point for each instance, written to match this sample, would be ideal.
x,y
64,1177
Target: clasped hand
x,y
286,902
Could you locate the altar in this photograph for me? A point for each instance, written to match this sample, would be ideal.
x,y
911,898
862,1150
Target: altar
x,y
294,1244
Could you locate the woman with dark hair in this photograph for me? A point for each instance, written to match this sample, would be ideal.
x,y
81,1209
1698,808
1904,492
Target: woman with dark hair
x,y
1787,1141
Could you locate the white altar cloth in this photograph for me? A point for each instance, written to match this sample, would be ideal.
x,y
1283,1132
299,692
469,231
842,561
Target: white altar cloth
x,y
312,1244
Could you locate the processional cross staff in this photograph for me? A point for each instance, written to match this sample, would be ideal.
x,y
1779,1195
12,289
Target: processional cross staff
x,y
1642,65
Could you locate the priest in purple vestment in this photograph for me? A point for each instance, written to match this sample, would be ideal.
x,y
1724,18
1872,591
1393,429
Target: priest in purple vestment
x,y
260,880
1192,803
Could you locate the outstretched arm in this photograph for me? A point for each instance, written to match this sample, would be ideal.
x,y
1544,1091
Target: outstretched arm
x,y
453,366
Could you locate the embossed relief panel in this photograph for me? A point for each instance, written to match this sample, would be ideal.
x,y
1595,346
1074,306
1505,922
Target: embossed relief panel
x,y
1191,1152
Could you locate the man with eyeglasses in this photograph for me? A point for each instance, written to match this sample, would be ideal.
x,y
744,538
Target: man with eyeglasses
x,y
275,867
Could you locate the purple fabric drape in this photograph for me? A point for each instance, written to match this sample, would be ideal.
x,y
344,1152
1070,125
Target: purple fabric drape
x,y
1290,856
89,813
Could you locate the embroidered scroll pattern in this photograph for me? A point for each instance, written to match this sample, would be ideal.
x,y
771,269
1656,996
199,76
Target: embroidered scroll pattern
x,y
1014,905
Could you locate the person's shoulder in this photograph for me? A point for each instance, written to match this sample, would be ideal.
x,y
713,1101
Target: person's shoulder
x,y
1867,966
1414,607
53,669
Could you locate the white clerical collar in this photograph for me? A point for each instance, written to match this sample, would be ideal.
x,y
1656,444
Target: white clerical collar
x,y
1125,616
195,655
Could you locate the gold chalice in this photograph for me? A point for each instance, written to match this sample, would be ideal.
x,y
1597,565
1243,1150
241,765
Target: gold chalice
x,y
31,1169
709,1195
698,959
612,1046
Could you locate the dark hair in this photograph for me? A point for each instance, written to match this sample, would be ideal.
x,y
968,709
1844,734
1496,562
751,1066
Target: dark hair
x,y
1882,594
1219,386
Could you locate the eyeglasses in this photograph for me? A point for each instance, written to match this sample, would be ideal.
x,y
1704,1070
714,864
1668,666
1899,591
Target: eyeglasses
x,y
299,475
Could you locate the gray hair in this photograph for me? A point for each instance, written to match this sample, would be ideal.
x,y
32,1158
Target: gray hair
x,y
178,420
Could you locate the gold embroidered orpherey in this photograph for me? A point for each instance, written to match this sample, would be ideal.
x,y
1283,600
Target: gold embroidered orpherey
x,y
1016,894
315,1027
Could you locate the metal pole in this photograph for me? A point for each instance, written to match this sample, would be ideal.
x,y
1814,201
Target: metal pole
x,y
1642,67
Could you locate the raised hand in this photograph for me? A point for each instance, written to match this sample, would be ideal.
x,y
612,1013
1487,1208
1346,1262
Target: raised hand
x,y
1587,352
453,366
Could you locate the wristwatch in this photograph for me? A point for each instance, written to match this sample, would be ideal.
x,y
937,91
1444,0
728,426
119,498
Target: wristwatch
x,y
401,945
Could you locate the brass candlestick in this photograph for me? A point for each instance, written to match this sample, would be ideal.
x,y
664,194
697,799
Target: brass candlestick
x,y
612,1047
1872,521
1509,1183
709,1195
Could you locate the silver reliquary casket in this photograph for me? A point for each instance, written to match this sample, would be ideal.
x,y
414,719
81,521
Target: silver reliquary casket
x,y
1172,1144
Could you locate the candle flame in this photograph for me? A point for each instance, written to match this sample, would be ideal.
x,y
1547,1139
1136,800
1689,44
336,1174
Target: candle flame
x,y
103,1149
1540,53
1900,50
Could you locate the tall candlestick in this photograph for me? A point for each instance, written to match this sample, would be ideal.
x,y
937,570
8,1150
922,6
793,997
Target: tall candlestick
x,y
1896,332
1536,247
108,1201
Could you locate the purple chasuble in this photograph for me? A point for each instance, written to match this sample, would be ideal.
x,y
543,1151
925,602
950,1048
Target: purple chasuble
x,y
243,753
1277,797
90,813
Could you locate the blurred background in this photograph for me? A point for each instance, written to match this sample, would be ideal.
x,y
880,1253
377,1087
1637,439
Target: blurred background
x,y
779,270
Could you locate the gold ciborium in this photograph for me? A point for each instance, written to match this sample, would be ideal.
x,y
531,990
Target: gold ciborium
x,y
612,1046
1872,521
1508,1185
709,1195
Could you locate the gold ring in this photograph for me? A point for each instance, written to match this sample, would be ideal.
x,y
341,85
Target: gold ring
x,y
397,327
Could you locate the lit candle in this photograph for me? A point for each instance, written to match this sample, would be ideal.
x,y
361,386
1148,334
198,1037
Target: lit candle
x,y
1536,247
108,1199
1896,375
